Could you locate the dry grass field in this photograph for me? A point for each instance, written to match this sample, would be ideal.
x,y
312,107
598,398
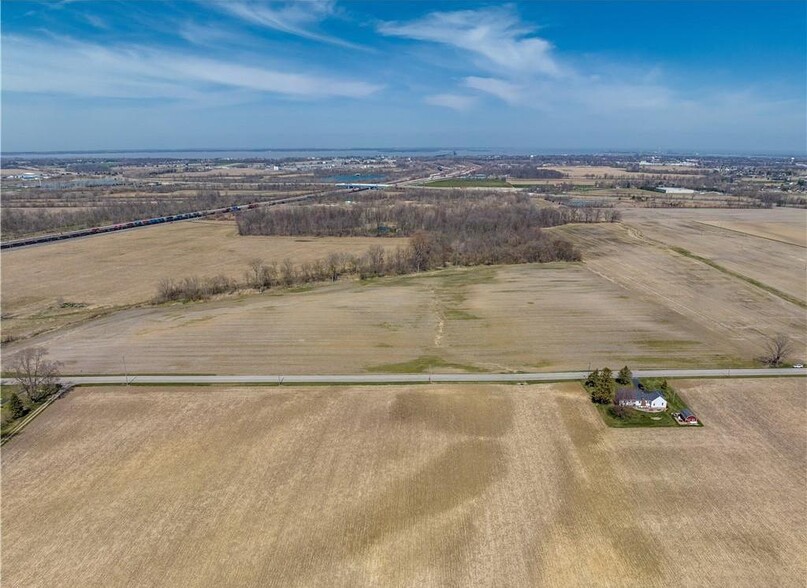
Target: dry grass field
x,y
401,486
794,233
580,175
525,317
766,245
739,313
588,174
125,268
16,171
634,299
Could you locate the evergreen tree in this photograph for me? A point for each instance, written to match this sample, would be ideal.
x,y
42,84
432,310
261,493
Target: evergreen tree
x,y
605,388
624,376
15,406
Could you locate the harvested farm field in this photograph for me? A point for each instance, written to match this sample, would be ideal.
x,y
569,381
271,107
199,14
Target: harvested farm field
x,y
471,485
54,284
793,233
726,302
767,245
543,317
662,289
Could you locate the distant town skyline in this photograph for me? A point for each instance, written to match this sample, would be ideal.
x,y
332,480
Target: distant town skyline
x,y
712,77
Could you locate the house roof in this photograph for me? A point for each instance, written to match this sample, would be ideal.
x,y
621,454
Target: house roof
x,y
634,394
686,413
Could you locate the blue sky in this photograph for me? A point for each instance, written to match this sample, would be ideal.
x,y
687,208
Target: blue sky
x,y
699,76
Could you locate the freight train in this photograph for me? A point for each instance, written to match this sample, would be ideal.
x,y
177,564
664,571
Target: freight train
x,y
145,222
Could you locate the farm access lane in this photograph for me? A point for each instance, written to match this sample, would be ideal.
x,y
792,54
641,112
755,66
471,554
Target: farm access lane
x,y
418,378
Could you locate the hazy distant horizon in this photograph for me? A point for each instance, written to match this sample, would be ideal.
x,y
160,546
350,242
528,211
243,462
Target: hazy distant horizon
x,y
281,153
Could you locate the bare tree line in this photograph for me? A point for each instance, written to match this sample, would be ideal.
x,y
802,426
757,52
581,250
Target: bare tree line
x,y
443,231
456,219
424,252
23,222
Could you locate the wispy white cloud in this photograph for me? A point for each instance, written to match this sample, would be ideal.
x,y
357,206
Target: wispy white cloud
x,y
295,18
96,21
84,69
205,35
496,35
507,91
456,102
523,70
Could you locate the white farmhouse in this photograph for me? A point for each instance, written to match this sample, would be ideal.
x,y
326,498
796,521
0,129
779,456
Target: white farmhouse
x,y
641,400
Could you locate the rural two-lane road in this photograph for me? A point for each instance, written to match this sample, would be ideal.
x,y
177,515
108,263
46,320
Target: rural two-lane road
x,y
418,378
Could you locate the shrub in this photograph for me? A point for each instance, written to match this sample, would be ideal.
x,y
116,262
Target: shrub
x,y
618,412
193,288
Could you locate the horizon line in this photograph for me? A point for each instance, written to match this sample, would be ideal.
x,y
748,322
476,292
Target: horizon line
x,y
486,150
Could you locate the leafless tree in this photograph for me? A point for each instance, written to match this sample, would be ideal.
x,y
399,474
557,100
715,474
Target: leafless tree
x,y
374,261
287,273
421,247
257,274
777,349
333,264
36,375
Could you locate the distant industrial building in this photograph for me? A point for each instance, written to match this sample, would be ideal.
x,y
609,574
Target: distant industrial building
x,y
673,190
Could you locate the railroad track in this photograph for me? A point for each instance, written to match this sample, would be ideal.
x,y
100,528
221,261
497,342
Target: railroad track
x,y
64,236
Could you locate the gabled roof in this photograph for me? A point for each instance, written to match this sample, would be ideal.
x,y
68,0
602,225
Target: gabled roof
x,y
636,395
626,394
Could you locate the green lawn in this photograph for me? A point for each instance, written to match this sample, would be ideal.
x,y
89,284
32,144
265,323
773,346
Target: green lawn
x,y
638,418
468,183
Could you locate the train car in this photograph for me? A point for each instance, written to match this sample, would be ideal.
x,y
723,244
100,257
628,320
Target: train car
x,y
151,221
